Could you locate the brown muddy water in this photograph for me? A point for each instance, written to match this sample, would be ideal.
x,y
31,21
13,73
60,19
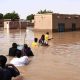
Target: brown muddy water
x,y
59,61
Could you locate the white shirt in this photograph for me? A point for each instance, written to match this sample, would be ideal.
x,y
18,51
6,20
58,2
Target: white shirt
x,y
20,61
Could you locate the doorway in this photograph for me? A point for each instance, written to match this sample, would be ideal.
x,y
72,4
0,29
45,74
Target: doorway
x,y
61,27
73,27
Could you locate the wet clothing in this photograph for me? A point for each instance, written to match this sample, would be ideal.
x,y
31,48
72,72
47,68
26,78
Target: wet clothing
x,y
27,52
7,73
1,74
46,37
42,40
34,44
20,61
12,51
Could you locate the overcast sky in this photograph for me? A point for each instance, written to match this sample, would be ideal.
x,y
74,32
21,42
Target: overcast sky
x,y
26,7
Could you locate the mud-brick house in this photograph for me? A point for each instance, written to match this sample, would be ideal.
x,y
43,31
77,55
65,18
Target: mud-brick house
x,y
56,22
17,24
1,23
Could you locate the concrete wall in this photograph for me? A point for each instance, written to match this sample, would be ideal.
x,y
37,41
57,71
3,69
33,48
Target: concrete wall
x,y
43,22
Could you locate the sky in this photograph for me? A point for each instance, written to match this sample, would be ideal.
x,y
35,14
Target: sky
x,y
27,7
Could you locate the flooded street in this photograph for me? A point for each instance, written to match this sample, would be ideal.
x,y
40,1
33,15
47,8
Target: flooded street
x,y
59,61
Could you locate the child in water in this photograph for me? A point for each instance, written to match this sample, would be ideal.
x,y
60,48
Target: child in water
x,y
35,42
46,38
42,40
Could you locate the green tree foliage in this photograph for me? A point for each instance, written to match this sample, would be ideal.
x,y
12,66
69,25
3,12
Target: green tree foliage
x,y
1,16
30,17
44,11
12,16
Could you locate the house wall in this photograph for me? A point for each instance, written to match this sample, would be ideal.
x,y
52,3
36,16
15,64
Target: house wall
x,y
67,20
43,22
23,25
30,23
15,24
1,23
6,24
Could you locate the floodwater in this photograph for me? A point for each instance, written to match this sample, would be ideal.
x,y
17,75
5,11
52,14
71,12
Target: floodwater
x,y
59,61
